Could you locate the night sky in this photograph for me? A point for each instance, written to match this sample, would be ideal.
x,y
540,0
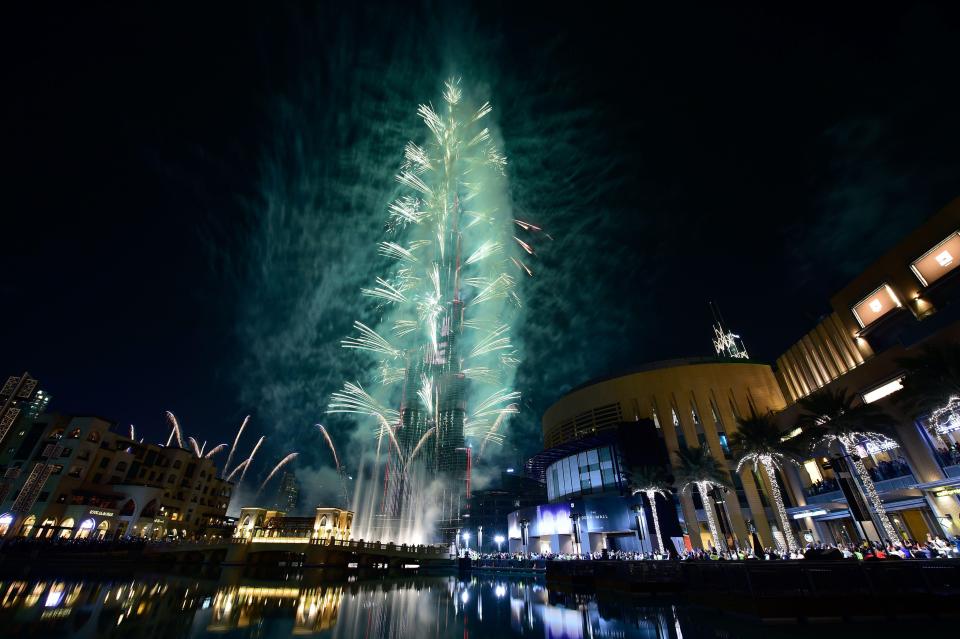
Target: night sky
x,y
191,191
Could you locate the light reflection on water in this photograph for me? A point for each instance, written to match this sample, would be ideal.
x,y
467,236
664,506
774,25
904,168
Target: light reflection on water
x,y
420,608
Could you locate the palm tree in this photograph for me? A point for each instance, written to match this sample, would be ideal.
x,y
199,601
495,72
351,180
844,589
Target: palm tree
x,y
932,378
652,481
834,417
697,467
758,442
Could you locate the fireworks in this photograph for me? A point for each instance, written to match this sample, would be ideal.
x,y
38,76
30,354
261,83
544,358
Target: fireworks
x,y
233,448
453,249
276,469
326,436
241,466
176,430
195,447
249,459
216,449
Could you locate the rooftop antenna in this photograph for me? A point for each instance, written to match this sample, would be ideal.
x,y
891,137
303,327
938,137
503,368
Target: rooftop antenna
x,y
726,343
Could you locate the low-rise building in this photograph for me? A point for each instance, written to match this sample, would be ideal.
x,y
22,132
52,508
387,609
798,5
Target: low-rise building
x,y
75,477
261,524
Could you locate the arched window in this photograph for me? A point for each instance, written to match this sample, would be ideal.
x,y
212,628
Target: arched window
x,y
74,434
150,510
6,520
323,521
66,528
28,525
128,508
56,434
94,436
102,529
86,527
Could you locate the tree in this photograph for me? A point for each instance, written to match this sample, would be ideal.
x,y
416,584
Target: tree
x,y
697,467
834,417
758,442
932,378
651,481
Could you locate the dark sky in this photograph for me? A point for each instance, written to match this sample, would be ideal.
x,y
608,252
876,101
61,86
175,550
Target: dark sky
x,y
758,157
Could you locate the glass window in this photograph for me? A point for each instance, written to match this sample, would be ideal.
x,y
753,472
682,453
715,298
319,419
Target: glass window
x,y
593,457
875,305
938,261
595,481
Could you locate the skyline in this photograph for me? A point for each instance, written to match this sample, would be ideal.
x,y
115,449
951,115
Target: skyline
x,y
131,294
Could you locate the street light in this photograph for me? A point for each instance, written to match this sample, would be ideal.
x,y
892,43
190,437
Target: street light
x,y
499,540
466,539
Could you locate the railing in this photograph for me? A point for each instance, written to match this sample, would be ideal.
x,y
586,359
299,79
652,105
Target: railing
x,y
356,544
512,565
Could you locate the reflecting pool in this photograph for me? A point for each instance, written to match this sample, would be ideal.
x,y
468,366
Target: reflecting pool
x,y
421,608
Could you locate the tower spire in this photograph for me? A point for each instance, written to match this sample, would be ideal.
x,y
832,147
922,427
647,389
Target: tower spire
x,y
726,343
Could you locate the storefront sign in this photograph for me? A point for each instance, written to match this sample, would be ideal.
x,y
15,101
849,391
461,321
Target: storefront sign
x,y
101,513
946,492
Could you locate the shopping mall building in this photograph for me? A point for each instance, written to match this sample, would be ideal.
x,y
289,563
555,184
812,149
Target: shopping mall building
x,y
906,299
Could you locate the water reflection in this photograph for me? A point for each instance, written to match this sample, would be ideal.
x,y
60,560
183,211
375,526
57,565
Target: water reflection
x,y
423,608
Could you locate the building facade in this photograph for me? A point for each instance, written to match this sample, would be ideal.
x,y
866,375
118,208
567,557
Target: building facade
x,y
690,403
590,505
908,299
74,477
261,524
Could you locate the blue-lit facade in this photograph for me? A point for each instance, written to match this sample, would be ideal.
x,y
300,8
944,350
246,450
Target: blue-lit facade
x,y
589,472
589,506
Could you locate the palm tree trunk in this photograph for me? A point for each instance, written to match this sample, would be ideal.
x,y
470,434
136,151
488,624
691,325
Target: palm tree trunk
x,y
781,510
875,502
652,498
871,492
711,518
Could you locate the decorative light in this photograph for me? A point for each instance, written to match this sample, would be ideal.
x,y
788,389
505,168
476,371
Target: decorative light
x,y
770,462
850,444
947,418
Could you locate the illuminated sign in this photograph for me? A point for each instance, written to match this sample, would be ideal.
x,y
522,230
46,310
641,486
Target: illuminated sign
x,y
810,513
938,261
883,390
875,305
947,492
101,513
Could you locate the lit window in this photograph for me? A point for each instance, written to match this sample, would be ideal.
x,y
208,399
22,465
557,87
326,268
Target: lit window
x,y
938,261
875,305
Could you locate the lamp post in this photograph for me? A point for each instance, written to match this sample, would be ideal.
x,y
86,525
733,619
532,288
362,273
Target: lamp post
x,y
641,527
466,540
575,529
499,540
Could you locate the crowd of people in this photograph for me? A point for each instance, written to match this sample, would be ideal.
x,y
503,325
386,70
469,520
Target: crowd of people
x,y
826,485
949,456
932,548
897,467
884,469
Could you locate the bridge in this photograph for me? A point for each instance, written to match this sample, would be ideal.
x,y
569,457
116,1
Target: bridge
x,y
304,552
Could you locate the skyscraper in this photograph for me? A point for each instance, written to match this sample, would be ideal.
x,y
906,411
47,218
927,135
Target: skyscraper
x,y
442,335
288,494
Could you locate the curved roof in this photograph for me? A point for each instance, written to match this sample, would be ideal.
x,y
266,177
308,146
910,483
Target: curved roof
x,y
662,364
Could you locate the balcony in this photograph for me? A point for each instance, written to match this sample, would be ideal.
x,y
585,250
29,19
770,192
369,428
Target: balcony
x,y
885,485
